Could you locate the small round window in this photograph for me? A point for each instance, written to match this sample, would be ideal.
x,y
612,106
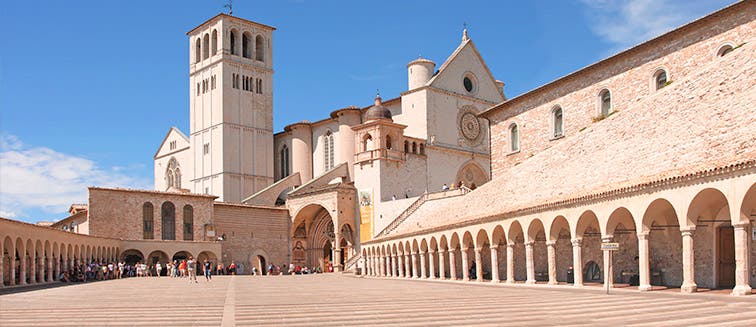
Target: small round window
x,y
468,83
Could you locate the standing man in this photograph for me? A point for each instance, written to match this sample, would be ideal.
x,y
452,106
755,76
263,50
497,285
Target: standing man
x,y
190,269
207,266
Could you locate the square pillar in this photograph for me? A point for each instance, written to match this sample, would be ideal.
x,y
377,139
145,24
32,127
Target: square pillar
x,y
688,258
608,267
495,264
432,263
510,263
452,264
742,258
478,265
465,265
423,272
551,254
414,266
644,270
577,262
529,263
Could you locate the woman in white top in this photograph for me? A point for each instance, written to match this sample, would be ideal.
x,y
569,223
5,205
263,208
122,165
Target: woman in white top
x,y
158,269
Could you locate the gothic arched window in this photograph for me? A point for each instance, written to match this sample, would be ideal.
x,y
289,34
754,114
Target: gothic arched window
x,y
214,43
173,174
367,142
246,49
188,223
328,150
284,161
206,46
232,42
148,221
558,128
168,221
260,48
198,51
605,100
660,79
514,138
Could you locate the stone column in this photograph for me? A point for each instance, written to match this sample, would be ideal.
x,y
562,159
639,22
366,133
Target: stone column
x,y
432,263
2,264
510,263
415,273
465,265
395,262
407,265
529,263
495,264
478,264
423,272
441,264
577,262
452,264
551,254
644,271
742,258
33,269
12,267
382,266
608,270
337,252
49,269
56,272
400,264
392,263
689,276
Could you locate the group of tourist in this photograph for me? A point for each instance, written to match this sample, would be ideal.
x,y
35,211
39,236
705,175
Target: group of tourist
x,y
300,270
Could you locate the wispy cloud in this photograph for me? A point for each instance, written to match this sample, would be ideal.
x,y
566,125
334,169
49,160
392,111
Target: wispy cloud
x,y
40,179
626,23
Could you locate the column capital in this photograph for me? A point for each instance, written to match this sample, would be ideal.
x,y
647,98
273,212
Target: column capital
x,y
741,226
550,243
511,245
464,248
607,238
431,251
643,236
494,247
441,251
529,243
576,242
689,229
478,249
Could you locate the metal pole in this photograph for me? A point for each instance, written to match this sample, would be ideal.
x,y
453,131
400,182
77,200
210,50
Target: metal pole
x,y
608,273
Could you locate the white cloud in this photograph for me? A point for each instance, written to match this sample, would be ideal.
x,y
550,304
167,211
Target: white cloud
x,y
626,23
42,179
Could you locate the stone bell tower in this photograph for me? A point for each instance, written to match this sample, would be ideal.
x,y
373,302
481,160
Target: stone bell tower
x,y
231,107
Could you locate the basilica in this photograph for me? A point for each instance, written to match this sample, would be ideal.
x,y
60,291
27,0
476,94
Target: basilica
x,y
636,171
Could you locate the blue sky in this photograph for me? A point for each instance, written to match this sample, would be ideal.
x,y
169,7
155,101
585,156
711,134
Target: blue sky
x,y
88,89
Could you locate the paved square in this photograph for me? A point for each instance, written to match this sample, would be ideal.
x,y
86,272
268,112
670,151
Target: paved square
x,y
317,300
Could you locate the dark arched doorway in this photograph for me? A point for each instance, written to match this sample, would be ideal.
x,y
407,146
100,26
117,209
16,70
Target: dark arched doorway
x,y
131,257
327,256
262,267
181,255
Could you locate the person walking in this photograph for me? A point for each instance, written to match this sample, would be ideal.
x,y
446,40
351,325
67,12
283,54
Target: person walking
x,y
207,266
158,268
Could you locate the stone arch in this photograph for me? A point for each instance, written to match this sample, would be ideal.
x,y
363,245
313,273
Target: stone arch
x,y
747,212
483,245
588,234
259,48
621,228
471,174
709,203
516,238
455,254
560,235
7,262
132,256
182,255
660,222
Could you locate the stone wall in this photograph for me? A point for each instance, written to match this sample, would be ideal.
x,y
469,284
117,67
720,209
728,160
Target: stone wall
x,y
117,213
252,231
628,76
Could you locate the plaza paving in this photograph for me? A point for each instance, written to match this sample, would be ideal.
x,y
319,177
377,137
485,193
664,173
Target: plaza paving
x,y
338,300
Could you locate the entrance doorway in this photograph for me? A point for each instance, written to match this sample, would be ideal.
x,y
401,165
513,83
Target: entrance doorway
x,y
261,266
726,254
327,256
592,272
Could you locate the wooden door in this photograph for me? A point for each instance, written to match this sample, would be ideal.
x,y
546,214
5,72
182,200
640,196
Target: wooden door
x,y
726,254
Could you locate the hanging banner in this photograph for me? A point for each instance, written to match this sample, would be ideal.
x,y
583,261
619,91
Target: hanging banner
x,y
366,214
